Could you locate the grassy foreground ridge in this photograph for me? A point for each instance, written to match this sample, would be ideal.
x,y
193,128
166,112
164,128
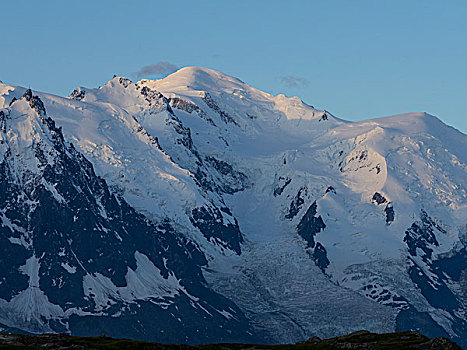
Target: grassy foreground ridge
x,y
356,340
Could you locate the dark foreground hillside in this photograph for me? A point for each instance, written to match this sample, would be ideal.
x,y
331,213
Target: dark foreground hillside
x,y
356,340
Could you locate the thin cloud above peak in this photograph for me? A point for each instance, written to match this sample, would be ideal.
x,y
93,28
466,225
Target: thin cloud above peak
x,y
161,68
294,81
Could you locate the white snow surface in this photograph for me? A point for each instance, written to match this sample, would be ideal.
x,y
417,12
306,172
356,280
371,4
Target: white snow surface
x,y
144,283
30,308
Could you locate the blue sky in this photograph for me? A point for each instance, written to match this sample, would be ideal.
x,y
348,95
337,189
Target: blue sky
x,y
357,59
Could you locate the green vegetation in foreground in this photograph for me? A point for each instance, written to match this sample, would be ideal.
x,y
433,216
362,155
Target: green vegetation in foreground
x,y
356,340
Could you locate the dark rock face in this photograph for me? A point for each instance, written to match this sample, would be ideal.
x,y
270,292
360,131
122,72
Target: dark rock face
x,y
80,251
210,222
35,102
320,257
310,225
389,211
296,204
282,184
185,134
323,117
78,94
155,99
421,235
2,123
379,199
411,319
125,82
384,296
13,101
434,276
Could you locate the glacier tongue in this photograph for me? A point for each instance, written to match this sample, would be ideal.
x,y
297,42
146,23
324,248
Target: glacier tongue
x,y
291,299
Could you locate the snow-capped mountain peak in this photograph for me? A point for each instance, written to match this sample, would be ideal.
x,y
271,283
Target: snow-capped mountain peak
x,y
309,224
197,79
196,82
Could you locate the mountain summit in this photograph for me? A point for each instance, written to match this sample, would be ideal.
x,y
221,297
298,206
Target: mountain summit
x,y
228,213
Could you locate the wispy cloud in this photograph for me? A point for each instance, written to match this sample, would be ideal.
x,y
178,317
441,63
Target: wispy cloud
x,y
294,81
162,68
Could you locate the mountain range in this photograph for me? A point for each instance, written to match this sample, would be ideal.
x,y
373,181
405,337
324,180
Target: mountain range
x,y
196,208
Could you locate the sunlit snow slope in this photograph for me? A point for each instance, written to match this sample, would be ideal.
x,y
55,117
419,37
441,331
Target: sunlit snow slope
x,y
309,224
